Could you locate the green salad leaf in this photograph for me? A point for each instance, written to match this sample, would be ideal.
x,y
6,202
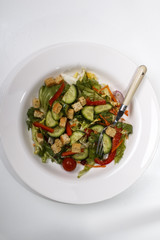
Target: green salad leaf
x,y
31,118
120,151
38,147
127,128
110,117
85,86
46,93
93,138
83,171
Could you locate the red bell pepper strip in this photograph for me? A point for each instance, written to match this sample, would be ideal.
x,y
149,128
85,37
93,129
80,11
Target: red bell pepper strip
x,y
68,129
112,154
40,125
69,153
88,131
57,94
95,103
110,158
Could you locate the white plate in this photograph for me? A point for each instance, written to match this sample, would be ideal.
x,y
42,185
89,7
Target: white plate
x,y
50,179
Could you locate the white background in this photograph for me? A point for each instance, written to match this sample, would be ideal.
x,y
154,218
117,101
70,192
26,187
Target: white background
x,y
132,27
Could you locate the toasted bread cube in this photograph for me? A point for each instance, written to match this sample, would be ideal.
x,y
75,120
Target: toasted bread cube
x,y
58,142
36,102
57,108
59,80
110,131
76,147
70,113
77,106
38,114
63,122
82,101
50,82
55,148
39,137
65,139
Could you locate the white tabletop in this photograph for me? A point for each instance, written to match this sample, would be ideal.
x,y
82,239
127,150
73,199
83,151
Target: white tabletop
x,y
132,27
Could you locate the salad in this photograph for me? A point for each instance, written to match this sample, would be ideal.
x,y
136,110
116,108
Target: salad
x,y
66,121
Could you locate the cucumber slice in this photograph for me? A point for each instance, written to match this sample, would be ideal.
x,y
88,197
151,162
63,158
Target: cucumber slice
x,y
107,143
50,122
102,108
88,113
71,95
82,155
58,131
97,128
76,136
55,115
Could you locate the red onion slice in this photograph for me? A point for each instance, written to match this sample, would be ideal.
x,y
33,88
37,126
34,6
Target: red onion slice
x,y
119,96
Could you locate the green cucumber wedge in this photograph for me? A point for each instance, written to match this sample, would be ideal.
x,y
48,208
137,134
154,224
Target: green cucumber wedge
x,y
76,136
88,113
71,95
97,128
50,122
58,131
102,108
82,155
107,143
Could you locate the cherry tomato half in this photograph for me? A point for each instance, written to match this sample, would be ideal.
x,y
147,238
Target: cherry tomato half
x,y
69,164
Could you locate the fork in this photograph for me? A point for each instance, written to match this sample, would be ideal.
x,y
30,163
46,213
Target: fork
x,y
137,78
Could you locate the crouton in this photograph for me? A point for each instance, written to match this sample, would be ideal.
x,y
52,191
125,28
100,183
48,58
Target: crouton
x,y
63,121
36,102
82,100
38,114
50,82
77,106
65,139
70,113
110,131
39,137
59,80
76,147
57,146
58,142
55,149
57,108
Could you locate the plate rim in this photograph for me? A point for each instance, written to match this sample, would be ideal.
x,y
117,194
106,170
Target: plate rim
x,y
37,53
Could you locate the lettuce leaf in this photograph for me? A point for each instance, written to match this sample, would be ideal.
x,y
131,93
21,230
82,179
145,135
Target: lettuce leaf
x,y
127,128
38,147
46,93
85,86
119,152
31,118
